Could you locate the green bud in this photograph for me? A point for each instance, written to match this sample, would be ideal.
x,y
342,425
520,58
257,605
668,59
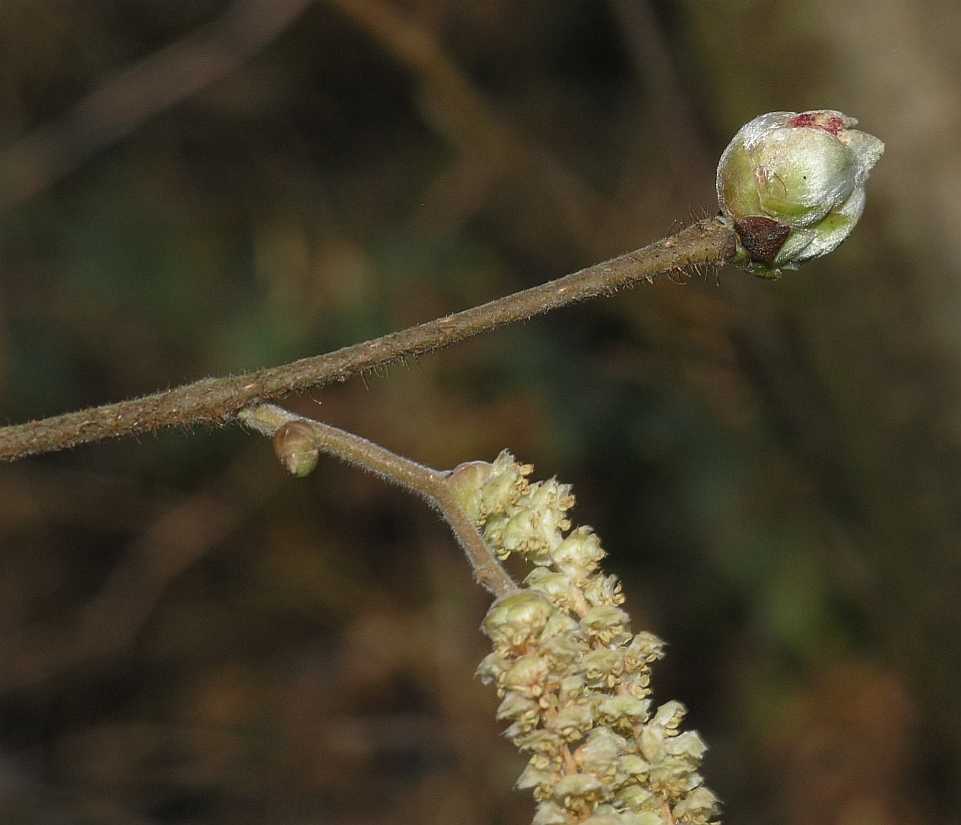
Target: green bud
x,y
793,186
296,448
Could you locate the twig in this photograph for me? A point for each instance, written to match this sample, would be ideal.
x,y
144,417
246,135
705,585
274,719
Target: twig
x,y
668,105
165,547
416,478
455,106
138,92
218,400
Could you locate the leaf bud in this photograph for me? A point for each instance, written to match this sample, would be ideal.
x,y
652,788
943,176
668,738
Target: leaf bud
x,y
793,185
296,448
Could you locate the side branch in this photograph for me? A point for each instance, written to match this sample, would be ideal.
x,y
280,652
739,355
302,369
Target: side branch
x,y
218,400
431,484
140,91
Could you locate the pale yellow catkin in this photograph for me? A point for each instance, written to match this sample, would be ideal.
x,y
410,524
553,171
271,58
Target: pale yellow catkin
x,y
573,679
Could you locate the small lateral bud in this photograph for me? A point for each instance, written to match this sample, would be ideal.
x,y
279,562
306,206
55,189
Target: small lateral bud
x,y
296,448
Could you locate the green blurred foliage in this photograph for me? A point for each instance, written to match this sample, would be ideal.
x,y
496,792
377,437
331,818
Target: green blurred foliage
x,y
190,636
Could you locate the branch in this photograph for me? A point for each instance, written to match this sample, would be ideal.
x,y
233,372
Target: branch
x,y
218,400
454,105
140,91
430,484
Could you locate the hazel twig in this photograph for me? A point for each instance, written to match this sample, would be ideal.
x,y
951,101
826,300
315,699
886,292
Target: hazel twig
x,y
218,400
430,484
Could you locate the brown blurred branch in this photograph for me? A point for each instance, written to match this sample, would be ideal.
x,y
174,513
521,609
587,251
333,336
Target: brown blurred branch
x,y
667,97
124,101
168,543
457,108
218,400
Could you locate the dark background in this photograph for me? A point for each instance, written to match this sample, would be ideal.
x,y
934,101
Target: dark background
x,y
187,635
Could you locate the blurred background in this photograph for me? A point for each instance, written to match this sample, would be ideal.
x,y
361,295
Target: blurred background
x,y
187,635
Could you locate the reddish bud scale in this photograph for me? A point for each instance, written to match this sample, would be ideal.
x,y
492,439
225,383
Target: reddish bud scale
x,y
817,120
762,237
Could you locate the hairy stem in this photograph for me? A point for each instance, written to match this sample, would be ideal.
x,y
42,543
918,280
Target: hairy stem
x,y
219,400
416,478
